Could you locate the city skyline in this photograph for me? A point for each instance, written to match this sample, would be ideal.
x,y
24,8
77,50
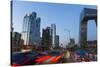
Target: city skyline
x,y
51,13
51,33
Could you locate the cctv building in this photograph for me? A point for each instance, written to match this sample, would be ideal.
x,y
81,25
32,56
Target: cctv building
x,y
31,29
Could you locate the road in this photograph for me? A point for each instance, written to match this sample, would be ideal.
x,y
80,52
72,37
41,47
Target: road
x,y
49,57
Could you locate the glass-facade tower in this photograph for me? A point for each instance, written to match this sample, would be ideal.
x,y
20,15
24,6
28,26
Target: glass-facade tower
x,y
53,34
31,29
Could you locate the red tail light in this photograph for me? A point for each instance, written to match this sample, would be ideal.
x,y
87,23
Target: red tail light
x,y
55,59
42,59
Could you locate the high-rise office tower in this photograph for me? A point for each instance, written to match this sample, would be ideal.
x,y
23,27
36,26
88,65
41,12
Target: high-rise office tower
x,y
53,34
57,41
31,29
46,38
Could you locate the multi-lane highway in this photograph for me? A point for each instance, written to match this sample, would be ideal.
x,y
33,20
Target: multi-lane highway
x,y
50,57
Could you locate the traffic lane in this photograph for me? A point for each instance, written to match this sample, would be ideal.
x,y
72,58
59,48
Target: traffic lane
x,y
50,60
30,59
40,60
52,57
34,59
20,59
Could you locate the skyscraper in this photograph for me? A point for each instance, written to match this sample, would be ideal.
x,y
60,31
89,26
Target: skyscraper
x,y
57,41
16,42
53,34
72,42
46,38
31,29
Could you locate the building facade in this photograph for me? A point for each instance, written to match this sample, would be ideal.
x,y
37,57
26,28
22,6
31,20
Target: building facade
x,y
53,34
31,29
86,15
46,38
71,43
57,41
16,42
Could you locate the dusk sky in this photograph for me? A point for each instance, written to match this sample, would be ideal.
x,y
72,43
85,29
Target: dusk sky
x,y
65,16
